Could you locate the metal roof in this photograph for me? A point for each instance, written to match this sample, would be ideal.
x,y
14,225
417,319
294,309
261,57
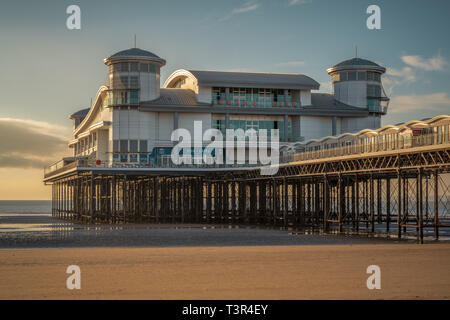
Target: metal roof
x,y
175,97
254,80
373,131
326,101
356,62
80,114
135,53
184,100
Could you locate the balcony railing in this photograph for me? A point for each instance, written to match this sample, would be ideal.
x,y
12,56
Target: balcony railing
x,y
399,144
165,161
255,104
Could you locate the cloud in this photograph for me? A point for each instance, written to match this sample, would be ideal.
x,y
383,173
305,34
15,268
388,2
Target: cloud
x,y
31,144
290,64
395,77
407,73
432,64
326,87
432,103
249,6
298,2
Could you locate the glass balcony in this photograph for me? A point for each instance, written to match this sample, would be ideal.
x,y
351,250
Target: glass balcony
x,y
123,97
377,104
248,97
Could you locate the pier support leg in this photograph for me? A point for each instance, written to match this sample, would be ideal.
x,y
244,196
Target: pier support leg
x,y
325,203
399,209
420,203
388,204
372,205
436,204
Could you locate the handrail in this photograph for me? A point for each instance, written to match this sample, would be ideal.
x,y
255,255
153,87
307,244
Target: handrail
x,y
398,144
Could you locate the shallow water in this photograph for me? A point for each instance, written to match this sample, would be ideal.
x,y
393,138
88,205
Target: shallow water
x,y
38,229
25,206
43,231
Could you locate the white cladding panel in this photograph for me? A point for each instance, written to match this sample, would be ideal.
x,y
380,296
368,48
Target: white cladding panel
x,y
338,126
204,94
103,145
133,124
352,125
165,126
305,97
353,93
123,132
145,94
149,84
186,121
315,127
106,114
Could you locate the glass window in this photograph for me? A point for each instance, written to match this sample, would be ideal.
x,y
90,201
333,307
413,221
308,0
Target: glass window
x,y
351,75
144,67
123,157
133,146
123,97
123,145
123,66
373,76
134,97
134,82
373,91
377,91
362,75
142,145
218,95
377,77
124,81
249,97
133,157
143,158
134,66
115,145
343,76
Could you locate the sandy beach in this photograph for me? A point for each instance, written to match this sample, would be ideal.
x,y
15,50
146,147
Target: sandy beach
x,y
408,271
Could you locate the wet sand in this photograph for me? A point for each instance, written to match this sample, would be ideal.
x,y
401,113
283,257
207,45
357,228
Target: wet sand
x,y
26,231
408,271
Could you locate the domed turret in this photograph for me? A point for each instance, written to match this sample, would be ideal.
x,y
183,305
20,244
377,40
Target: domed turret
x,y
357,82
134,76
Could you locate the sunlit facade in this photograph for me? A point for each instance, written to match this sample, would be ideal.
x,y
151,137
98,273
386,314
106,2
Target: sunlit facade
x,y
133,116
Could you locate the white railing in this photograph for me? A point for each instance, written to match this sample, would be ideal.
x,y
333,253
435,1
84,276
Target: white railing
x,y
399,144
54,167
405,142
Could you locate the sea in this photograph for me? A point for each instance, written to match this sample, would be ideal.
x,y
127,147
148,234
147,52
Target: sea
x,y
29,224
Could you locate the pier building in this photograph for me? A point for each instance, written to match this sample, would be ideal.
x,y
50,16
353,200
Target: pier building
x,y
132,117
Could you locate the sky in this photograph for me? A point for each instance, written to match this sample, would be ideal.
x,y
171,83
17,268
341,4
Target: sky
x,y
48,71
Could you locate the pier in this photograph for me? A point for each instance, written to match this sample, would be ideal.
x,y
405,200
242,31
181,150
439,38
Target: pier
x,y
396,192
